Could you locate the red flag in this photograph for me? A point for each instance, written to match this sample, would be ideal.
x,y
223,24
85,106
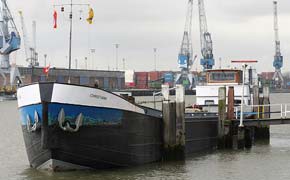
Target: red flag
x,y
55,19
46,70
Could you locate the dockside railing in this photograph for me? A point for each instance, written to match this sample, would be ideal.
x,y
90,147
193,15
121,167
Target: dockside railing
x,y
282,109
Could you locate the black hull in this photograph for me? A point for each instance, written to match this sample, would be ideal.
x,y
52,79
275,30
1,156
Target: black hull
x,y
110,146
137,141
201,133
115,138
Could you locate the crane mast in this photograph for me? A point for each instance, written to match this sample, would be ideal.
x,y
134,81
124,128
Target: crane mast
x,y
207,60
30,49
185,53
24,35
278,58
185,56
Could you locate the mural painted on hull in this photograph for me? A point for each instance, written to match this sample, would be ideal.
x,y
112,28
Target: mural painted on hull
x,y
29,111
91,115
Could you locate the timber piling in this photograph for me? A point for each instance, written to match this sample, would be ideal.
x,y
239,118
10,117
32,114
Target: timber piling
x,y
234,136
173,124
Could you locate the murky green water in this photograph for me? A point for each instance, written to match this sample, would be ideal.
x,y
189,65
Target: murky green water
x,y
263,161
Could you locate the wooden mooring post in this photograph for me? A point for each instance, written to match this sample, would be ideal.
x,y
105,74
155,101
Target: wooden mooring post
x,y
173,124
230,135
263,132
221,116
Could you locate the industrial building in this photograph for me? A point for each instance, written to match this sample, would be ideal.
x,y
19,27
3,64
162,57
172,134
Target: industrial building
x,y
110,80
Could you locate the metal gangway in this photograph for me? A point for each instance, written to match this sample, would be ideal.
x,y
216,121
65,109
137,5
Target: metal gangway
x,y
269,114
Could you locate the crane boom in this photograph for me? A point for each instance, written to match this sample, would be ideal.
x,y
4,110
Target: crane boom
x,y
207,60
278,58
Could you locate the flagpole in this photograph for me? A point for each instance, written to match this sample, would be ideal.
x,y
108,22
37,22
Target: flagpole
x,y
70,42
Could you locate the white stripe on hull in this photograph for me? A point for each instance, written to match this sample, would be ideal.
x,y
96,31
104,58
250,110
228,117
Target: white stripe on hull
x,y
76,95
28,95
85,96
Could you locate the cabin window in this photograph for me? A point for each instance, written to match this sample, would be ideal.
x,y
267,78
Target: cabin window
x,y
237,101
222,76
209,102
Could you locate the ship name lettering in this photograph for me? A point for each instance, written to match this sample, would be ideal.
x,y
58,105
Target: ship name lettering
x,y
98,97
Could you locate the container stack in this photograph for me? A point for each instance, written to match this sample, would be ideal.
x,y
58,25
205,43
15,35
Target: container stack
x,y
141,80
155,80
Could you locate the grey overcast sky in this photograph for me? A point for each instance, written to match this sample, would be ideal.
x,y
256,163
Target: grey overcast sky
x,y
241,29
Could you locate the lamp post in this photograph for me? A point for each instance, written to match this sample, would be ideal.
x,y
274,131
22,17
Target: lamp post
x,y
86,63
242,101
45,56
123,64
92,54
117,47
76,61
155,51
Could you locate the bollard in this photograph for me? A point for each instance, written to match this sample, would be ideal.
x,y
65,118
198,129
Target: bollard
x,y
221,116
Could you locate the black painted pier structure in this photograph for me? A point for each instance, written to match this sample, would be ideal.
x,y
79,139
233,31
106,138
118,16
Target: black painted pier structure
x,y
238,133
184,132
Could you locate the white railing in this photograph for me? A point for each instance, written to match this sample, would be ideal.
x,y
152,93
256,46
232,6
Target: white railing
x,y
282,109
286,110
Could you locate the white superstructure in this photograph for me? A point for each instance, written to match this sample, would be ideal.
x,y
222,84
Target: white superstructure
x,y
207,93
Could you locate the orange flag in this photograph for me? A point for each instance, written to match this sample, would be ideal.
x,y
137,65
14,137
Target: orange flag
x,y
91,16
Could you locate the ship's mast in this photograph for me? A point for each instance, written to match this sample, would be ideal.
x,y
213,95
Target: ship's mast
x,y
70,32
70,40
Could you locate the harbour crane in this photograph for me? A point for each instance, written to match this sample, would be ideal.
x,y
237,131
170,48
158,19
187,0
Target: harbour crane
x,y
185,56
207,60
9,38
278,58
30,49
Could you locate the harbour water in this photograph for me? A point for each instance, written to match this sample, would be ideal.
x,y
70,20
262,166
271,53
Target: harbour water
x,y
263,161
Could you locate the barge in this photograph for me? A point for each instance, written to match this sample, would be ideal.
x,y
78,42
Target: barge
x,y
68,126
